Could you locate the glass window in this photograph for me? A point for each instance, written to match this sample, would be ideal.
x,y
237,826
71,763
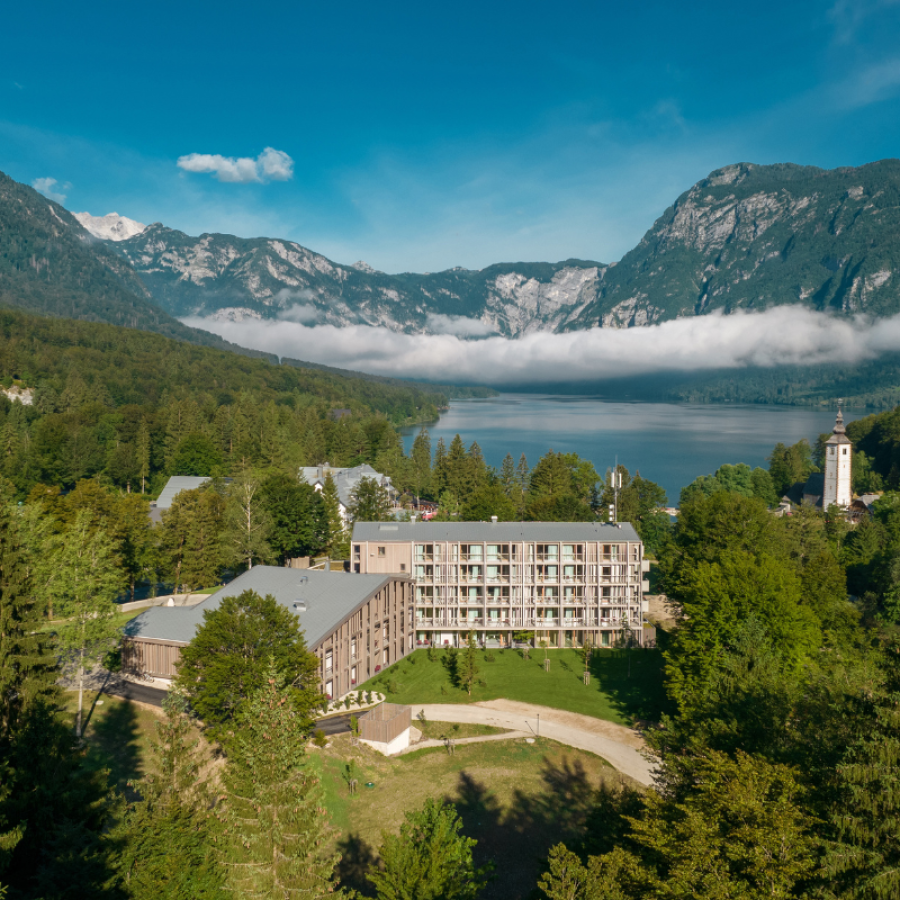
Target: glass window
x,y
381,551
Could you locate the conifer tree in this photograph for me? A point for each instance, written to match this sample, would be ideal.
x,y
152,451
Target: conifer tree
x,y
27,669
468,669
143,454
421,462
508,477
190,538
336,538
523,475
272,823
439,469
165,840
369,502
429,859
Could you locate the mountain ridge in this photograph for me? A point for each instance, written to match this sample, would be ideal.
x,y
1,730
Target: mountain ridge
x,y
745,237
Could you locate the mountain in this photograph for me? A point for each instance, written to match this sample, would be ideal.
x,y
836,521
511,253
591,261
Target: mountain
x,y
751,237
225,276
51,266
746,237
111,227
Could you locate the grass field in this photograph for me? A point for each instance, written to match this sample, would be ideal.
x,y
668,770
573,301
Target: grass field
x,y
620,690
516,799
117,733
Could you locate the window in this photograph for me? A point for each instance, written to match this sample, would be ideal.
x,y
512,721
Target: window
x,y
381,551
845,451
353,648
402,567
329,661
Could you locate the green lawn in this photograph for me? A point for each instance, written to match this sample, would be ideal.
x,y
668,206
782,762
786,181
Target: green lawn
x,y
614,693
516,799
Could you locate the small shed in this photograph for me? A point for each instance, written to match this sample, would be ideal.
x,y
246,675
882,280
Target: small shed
x,y
386,728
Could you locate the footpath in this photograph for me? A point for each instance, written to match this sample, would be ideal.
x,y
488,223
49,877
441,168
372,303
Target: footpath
x,y
621,747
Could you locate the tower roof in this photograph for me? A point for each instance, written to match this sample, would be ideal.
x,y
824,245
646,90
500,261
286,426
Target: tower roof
x,y
838,433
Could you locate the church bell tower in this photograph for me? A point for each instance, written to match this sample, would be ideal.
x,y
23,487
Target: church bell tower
x,y
838,462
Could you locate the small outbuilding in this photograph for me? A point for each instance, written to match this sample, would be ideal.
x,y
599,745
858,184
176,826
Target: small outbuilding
x,y
386,728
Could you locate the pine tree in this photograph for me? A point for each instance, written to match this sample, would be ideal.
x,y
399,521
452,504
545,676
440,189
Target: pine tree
x,y
508,478
273,825
369,502
143,454
523,478
336,537
165,839
190,538
27,669
439,469
421,462
864,861
467,671
430,859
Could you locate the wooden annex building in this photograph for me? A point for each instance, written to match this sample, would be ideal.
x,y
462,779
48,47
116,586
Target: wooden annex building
x,y
355,624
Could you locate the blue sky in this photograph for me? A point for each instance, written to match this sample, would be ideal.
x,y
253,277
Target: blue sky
x,y
422,136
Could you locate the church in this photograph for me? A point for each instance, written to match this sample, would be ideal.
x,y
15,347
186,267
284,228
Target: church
x,y
833,486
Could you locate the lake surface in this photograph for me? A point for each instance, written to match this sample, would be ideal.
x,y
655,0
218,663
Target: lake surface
x,y
669,443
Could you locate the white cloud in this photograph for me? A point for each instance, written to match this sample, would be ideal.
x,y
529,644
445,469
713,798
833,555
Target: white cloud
x,y
270,165
47,187
458,325
780,336
275,164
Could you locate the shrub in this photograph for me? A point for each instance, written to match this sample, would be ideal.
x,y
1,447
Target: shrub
x,y
393,687
354,725
443,689
319,738
488,657
368,697
482,683
412,660
348,701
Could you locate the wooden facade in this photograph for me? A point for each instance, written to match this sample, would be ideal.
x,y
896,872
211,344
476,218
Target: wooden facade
x,y
384,723
146,656
377,633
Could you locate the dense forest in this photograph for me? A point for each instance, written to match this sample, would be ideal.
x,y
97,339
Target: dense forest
x,y
119,403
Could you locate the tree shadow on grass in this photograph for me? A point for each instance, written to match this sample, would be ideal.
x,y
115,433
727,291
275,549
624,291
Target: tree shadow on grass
x,y
113,743
633,680
517,840
358,858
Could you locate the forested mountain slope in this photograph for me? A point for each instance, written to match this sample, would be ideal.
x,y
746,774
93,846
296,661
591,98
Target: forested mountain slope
x,y
746,237
128,405
50,265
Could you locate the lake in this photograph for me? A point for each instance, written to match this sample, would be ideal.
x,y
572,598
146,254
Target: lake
x,y
668,443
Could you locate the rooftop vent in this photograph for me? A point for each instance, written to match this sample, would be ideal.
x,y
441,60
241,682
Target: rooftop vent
x,y
387,528
494,519
303,579
300,605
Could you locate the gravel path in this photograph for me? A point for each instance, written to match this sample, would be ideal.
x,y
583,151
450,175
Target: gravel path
x,y
621,747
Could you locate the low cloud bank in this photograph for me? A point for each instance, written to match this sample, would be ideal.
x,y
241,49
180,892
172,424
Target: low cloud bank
x,y
787,335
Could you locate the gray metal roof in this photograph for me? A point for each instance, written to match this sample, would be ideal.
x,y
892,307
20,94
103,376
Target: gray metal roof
x,y
329,598
493,531
345,480
176,484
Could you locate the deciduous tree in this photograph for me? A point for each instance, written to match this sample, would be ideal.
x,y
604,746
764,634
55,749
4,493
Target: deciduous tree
x,y
231,652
